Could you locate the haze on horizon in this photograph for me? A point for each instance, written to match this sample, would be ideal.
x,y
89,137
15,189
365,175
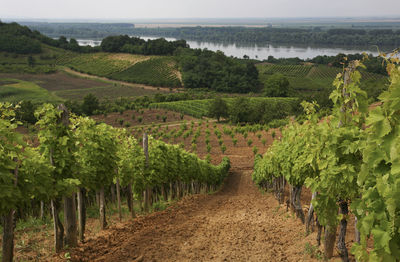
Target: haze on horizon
x,y
181,9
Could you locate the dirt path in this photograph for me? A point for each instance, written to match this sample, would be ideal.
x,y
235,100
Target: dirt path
x,y
104,79
238,223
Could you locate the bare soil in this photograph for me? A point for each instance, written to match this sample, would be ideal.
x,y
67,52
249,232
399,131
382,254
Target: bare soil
x,y
147,116
238,223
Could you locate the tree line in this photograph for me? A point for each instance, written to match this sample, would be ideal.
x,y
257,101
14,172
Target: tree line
x,y
216,71
311,36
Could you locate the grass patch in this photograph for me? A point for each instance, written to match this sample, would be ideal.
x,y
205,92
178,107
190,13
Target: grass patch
x,y
25,90
305,78
314,252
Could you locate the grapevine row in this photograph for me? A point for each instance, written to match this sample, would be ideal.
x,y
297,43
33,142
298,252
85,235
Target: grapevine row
x,y
350,162
78,155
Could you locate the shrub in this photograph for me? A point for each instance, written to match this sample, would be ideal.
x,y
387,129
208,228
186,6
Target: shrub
x,y
223,148
263,141
208,148
255,150
234,141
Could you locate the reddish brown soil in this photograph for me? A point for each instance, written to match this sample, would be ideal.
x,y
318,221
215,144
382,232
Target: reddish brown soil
x,y
148,116
238,223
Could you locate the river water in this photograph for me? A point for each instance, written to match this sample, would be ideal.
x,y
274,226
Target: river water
x,y
261,52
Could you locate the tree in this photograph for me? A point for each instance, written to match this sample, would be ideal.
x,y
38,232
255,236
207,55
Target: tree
x,y
239,110
90,104
218,108
277,86
31,61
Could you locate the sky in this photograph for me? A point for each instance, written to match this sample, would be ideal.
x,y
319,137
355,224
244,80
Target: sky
x,y
141,9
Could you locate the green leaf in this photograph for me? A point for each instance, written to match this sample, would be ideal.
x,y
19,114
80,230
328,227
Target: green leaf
x,y
381,239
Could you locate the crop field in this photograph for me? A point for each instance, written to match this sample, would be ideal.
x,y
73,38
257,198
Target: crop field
x,y
157,71
200,136
140,69
199,108
308,77
65,86
101,64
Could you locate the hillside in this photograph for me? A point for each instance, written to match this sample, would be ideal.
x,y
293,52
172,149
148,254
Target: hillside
x,y
159,71
315,81
41,67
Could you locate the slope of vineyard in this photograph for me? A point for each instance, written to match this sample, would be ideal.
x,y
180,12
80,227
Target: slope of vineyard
x,y
200,108
101,64
308,77
149,70
156,71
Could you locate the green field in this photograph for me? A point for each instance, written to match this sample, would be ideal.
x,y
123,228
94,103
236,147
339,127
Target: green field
x,y
199,108
101,64
15,90
140,69
157,71
308,78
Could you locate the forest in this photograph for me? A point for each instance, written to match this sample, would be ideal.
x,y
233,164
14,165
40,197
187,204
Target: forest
x,y
266,35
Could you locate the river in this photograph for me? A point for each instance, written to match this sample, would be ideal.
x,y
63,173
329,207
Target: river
x,y
260,52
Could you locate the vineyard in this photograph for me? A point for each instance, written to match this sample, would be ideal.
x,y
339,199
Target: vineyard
x,y
200,108
70,165
308,77
326,166
348,168
100,64
156,71
140,69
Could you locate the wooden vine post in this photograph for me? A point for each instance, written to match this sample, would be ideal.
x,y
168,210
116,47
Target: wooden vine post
x,y
81,214
71,236
147,191
8,228
119,200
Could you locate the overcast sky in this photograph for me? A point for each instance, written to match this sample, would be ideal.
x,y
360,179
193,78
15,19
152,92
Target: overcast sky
x,y
133,9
